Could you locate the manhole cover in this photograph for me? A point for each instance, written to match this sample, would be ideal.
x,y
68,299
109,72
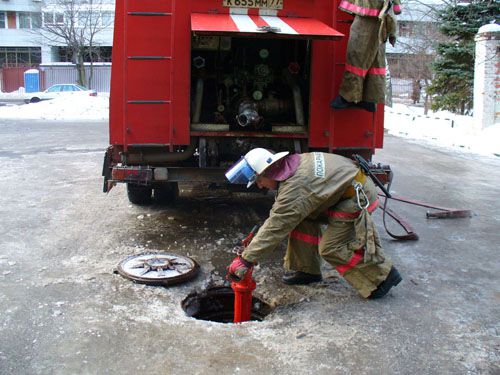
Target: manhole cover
x,y
158,268
216,304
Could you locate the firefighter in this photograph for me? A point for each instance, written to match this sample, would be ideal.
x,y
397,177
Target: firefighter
x,y
363,83
314,189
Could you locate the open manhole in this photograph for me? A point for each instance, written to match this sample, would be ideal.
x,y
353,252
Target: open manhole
x,y
216,304
158,268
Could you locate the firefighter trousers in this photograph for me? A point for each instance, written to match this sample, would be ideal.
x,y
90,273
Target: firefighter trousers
x,y
338,246
364,75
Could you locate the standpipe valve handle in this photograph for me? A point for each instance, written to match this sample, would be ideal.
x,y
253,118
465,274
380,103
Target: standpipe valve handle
x,y
250,236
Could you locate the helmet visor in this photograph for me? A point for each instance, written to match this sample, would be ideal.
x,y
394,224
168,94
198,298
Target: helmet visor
x,y
240,173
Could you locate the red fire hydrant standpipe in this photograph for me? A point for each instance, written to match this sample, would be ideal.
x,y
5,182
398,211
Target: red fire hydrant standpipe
x,y
243,289
243,297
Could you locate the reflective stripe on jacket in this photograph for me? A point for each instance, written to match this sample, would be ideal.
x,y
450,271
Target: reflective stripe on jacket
x,y
368,8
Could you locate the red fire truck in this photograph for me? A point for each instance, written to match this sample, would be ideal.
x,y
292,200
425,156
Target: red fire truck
x,y
197,84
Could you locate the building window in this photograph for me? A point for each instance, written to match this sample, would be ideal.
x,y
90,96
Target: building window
x,y
20,56
53,18
107,19
85,19
3,20
405,28
99,54
28,20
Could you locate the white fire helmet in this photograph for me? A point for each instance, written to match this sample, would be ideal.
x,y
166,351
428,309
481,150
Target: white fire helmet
x,y
254,163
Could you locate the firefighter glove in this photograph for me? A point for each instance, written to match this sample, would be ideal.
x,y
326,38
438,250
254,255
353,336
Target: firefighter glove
x,y
238,269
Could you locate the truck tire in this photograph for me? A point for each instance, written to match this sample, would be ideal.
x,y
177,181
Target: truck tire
x,y
138,194
167,193
34,100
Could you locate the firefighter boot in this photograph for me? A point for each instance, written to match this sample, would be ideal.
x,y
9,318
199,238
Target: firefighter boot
x,y
368,106
300,278
340,103
393,279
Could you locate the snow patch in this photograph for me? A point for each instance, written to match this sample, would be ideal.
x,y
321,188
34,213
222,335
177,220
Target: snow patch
x,y
442,128
81,108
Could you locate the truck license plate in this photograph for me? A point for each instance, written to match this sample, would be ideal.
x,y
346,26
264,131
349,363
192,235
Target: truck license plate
x,y
260,4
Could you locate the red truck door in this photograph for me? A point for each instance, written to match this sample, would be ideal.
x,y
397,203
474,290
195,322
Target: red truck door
x,y
351,128
147,72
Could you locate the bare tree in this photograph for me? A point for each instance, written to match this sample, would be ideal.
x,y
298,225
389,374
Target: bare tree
x,y
418,36
75,24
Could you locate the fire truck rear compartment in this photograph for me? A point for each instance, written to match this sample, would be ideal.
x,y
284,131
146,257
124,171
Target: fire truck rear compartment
x,y
245,93
249,84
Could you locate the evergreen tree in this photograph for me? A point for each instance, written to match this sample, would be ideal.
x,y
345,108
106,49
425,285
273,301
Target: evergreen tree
x,y
452,85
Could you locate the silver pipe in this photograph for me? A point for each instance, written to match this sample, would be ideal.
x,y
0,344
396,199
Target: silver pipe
x,y
248,114
198,101
248,117
297,101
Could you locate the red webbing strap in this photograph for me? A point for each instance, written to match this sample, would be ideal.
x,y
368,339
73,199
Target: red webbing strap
x,y
443,212
410,235
410,232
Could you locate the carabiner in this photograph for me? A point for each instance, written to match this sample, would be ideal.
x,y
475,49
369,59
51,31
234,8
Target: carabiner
x,y
359,191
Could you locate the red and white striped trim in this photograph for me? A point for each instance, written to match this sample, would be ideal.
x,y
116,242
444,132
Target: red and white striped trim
x,y
352,215
363,72
355,259
240,21
250,24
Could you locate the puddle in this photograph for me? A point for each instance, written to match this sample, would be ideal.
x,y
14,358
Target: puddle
x,y
216,304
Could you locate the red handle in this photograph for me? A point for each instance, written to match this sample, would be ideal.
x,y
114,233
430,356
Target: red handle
x,y
250,236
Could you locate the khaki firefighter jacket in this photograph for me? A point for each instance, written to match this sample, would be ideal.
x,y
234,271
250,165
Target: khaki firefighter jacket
x,y
318,184
384,10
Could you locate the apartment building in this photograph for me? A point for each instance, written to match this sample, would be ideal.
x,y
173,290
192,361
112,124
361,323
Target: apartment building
x,y
410,59
25,39
17,19
417,37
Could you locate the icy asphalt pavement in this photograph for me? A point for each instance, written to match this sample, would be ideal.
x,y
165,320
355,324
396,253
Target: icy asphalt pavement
x,y
64,311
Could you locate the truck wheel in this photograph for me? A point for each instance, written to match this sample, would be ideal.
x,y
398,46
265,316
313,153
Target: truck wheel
x,y
138,194
34,100
167,193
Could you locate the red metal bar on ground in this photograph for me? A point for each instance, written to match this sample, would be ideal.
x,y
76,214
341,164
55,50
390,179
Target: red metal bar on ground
x,y
452,212
456,214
